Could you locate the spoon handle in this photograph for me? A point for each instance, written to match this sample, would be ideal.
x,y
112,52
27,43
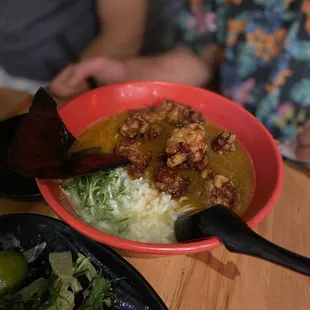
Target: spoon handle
x,y
239,238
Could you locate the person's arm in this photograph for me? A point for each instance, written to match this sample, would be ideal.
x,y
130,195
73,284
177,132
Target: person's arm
x,y
303,144
122,24
179,65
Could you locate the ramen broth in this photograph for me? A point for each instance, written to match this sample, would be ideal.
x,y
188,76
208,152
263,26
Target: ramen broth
x,y
236,165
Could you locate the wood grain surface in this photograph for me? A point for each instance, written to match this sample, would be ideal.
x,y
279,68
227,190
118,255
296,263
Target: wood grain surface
x,y
218,279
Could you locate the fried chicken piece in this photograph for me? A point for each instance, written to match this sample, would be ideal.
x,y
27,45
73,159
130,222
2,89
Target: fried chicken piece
x,y
186,146
130,148
162,158
134,126
151,114
224,143
178,114
135,171
207,173
201,165
155,131
142,122
221,190
170,181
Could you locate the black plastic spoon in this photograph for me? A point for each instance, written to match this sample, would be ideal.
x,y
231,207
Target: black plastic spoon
x,y
219,222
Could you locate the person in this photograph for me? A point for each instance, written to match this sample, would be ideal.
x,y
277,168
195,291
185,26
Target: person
x,y
37,36
261,47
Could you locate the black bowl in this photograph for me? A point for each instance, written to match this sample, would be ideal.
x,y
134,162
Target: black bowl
x,y
23,231
12,184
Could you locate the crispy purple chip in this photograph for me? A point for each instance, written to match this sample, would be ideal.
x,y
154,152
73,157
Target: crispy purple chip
x,y
42,141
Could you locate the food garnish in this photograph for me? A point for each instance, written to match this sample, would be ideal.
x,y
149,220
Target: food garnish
x,y
66,283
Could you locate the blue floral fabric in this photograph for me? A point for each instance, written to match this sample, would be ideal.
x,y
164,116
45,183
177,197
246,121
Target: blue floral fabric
x,y
266,65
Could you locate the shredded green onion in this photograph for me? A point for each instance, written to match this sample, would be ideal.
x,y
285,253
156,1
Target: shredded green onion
x,y
95,195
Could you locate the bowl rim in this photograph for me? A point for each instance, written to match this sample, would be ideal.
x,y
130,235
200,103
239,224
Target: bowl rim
x,y
168,249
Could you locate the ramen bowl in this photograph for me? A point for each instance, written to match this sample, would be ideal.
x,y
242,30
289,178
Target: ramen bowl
x,y
82,112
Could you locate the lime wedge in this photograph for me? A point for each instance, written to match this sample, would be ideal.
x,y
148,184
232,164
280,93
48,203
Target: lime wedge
x,y
13,270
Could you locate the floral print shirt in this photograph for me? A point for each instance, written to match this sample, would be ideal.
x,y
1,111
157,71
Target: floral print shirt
x,y
266,63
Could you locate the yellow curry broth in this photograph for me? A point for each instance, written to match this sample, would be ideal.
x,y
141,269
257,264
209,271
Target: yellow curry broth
x,y
235,165
103,134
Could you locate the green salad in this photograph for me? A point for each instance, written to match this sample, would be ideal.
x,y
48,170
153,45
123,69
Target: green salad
x,y
67,282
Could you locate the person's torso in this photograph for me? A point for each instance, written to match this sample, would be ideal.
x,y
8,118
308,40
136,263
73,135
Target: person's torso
x,y
266,66
161,26
29,35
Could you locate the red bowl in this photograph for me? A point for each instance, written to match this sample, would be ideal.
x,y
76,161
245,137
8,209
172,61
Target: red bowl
x,y
83,111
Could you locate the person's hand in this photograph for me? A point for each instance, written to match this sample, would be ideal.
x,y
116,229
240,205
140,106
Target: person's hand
x,y
303,144
71,81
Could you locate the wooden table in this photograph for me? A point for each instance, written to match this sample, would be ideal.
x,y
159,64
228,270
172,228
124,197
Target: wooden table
x,y
218,279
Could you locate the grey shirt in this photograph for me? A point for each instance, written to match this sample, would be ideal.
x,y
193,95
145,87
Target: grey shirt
x,y
162,25
29,29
